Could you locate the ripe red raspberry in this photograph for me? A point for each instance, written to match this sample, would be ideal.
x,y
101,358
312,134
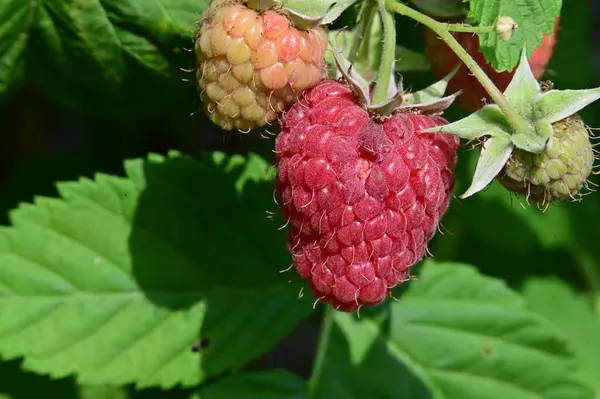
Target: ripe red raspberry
x,y
443,60
363,197
254,65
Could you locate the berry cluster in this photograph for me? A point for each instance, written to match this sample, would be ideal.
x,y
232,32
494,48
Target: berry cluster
x,y
363,187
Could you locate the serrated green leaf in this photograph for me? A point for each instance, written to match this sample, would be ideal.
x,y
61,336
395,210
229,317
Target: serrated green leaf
x,y
113,58
454,334
118,281
573,315
534,18
273,384
16,17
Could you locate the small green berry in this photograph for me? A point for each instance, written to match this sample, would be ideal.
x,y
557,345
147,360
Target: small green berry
x,y
556,174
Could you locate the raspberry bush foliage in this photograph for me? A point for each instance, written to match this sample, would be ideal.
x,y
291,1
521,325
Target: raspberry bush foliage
x,y
236,199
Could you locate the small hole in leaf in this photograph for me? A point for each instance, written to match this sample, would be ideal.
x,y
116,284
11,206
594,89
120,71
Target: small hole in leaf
x,y
201,345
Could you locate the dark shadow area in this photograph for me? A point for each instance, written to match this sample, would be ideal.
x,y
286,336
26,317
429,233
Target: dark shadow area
x,y
499,243
18,384
201,234
296,352
194,232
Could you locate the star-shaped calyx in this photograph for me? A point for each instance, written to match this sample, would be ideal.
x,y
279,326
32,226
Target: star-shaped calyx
x,y
547,155
430,101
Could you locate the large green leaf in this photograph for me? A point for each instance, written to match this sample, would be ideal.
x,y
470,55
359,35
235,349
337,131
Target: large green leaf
x,y
534,18
115,58
123,278
16,17
573,315
273,384
454,334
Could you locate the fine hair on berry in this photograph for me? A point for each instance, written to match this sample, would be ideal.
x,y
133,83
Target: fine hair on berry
x,y
362,195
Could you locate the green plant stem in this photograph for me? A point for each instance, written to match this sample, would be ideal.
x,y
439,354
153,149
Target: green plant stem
x,y
517,123
324,337
387,56
366,21
468,28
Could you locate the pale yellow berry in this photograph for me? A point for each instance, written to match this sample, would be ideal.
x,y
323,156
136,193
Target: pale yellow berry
x,y
252,66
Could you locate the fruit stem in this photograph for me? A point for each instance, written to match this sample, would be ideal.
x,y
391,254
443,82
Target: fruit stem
x,y
366,21
517,123
388,55
324,337
468,28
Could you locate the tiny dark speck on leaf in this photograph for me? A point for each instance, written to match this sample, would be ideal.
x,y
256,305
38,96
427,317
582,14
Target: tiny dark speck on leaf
x,y
78,6
488,351
200,345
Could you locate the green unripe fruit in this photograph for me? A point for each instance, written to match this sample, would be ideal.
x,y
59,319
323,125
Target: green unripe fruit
x,y
558,173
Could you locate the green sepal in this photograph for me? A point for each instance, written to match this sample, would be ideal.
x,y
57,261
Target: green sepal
x,y
432,107
493,157
359,85
430,100
555,105
394,100
304,21
488,121
263,5
523,90
432,92
538,110
315,8
535,143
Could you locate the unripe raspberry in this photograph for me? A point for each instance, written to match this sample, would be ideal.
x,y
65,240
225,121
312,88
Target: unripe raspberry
x,y
558,173
251,66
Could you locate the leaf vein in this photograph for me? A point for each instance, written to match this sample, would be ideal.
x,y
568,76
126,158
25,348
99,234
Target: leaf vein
x,y
137,339
88,333
481,335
